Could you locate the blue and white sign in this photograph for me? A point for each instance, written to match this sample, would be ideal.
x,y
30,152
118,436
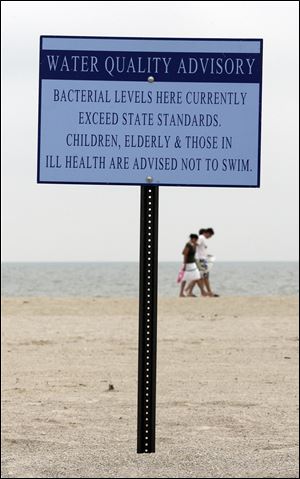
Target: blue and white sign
x,y
134,111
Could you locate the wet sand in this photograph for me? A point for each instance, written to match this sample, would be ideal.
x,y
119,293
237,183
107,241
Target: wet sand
x,y
227,393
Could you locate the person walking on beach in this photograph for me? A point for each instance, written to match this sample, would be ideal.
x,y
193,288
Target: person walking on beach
x,y
202,264
191,271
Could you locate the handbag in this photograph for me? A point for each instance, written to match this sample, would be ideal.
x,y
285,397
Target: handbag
x,y
180,275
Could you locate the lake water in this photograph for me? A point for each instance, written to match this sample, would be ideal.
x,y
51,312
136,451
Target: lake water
x,y
121,279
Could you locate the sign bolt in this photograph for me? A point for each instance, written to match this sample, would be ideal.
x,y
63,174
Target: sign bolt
x,y
149,179
151,79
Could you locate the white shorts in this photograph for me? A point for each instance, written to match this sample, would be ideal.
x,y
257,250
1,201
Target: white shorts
x,y
191,273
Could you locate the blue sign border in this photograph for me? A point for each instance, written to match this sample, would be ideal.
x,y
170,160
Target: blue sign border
x,y
259,40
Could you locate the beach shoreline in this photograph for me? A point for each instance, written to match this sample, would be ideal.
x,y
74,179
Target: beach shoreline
x,y
227,392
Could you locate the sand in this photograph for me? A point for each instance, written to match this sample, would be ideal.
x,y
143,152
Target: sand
x,y
227,395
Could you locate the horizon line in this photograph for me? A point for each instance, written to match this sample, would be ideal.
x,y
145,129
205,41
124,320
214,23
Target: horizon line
x,y
160,261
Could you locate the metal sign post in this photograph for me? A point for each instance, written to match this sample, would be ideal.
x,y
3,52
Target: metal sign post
x,y
147,319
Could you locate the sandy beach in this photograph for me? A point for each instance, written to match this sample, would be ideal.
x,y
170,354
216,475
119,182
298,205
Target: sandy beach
x,y
227,394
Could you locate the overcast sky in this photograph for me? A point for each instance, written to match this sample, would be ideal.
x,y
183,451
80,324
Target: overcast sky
x,y
101,223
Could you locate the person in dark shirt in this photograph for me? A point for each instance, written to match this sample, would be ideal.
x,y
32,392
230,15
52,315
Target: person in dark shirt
x,y
191,272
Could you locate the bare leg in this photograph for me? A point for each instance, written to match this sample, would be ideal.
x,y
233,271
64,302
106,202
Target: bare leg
x,y
182,286
201,285
191,285
207,285
190,288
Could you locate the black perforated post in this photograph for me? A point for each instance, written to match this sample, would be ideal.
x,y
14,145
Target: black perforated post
x,y
147,320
